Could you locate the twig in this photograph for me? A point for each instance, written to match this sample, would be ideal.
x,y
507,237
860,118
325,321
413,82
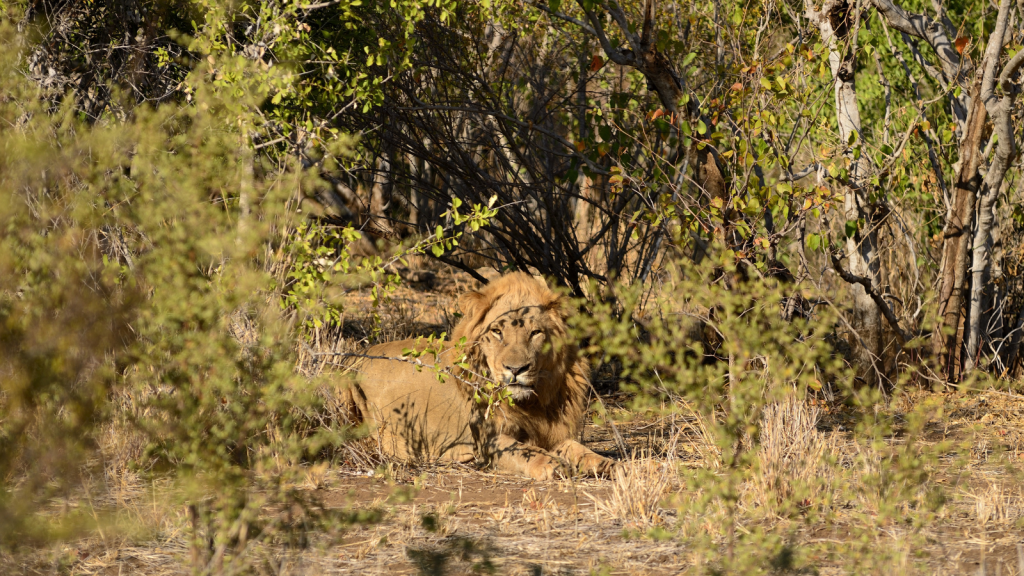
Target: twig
x,y
542,6
456,264
270,143
800,174
319,5
879,301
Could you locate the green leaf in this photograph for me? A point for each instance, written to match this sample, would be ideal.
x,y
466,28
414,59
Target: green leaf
x,y
813,241
851,228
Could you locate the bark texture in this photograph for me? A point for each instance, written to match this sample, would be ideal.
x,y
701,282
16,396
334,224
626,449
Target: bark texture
x,y
977,110
837,24
955,239
1000,109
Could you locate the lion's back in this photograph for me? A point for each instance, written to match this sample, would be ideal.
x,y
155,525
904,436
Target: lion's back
x,y
417,415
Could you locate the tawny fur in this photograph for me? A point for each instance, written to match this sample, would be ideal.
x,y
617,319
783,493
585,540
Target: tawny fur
x,y
516,320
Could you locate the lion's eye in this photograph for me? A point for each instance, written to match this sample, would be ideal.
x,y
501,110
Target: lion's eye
x,y
535,333
496,333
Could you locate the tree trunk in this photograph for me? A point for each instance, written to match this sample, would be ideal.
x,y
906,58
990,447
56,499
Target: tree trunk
x,y
661,76
947,340
1000,109
839,31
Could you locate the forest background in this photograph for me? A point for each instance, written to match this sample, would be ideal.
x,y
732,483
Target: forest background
x,y
756,205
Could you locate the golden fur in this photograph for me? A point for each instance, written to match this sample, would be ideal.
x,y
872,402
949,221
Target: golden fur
x,y
515,334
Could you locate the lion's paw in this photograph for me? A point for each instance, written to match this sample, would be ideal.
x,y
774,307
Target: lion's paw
x,y
595,465
545,467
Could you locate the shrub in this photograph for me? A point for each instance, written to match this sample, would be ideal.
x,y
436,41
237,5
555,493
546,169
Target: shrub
x,y
130,255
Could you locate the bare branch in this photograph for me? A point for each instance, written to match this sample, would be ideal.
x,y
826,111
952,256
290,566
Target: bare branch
x,y
933,157
618,56
1010,69
923,27
542,6
882,304
992,51
930,70
458,264
615,10
800,174
648,27
554,135
319,5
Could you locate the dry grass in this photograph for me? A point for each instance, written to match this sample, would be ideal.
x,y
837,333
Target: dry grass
x,y
524,527
996,505
704,445
637,489
791,457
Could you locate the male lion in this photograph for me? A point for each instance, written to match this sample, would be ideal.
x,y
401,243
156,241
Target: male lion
x,y
515,333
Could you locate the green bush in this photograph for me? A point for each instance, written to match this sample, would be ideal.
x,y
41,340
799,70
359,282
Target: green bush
x,y
133,264
709,349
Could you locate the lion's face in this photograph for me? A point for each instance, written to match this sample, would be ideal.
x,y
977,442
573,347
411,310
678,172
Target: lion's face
x,y
516,346
517,326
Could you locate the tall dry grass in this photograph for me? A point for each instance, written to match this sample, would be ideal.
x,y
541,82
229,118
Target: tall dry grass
x,y
637,488
791,457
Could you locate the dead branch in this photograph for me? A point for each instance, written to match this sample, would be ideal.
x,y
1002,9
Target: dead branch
x,y
879,301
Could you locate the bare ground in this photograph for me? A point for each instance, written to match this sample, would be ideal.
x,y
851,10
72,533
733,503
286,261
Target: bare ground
x,y
462,520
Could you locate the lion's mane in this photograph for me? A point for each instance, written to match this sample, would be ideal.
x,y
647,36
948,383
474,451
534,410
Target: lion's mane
x,y
556,414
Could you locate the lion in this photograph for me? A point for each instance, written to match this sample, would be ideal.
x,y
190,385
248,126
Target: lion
x,y
434,406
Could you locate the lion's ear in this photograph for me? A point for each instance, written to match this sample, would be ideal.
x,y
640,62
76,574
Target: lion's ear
x,y
472,304
560,305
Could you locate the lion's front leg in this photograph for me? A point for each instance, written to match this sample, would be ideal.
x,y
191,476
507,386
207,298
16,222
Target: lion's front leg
x,y
509,455
584,459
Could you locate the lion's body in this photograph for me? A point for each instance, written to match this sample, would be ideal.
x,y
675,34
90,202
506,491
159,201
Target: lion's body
x,y
514,330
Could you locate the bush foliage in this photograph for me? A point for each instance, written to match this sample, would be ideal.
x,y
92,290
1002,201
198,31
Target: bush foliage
x,y
185,187
135,263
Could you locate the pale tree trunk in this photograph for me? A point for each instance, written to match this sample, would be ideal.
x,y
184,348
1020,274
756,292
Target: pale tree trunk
x,y
378,222
970,116
416,173
1000,109
970,110
245,186
838,23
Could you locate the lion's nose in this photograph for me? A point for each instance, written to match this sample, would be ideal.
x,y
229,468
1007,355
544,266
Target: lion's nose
x,y
517,370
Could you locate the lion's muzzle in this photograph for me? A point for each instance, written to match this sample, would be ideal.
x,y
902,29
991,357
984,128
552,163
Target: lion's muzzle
x,y
517,374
